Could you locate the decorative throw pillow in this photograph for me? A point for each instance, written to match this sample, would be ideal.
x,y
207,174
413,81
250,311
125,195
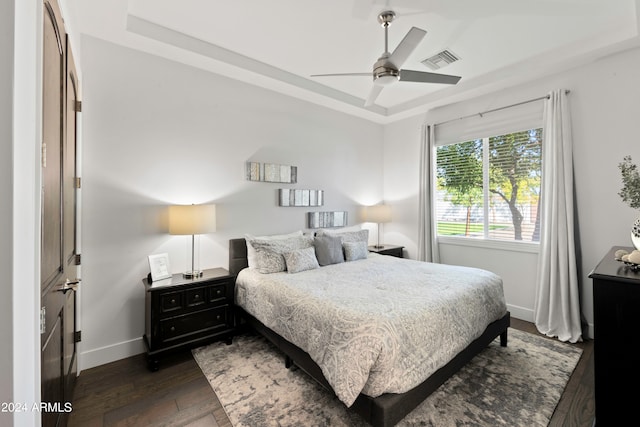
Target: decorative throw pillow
x,y
355,250
328,249
251,252
356,236
269,253
269,261
301,260
338,230
347,236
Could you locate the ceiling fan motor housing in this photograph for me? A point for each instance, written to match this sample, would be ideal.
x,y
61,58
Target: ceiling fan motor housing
x,y
384,72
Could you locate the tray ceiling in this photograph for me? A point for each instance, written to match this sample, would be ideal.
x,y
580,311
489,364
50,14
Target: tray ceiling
x,y
280,44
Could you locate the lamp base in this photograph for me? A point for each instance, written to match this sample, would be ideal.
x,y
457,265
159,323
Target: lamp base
x,y
192,274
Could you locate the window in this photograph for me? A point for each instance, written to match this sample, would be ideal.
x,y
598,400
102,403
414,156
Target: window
x,y
489,188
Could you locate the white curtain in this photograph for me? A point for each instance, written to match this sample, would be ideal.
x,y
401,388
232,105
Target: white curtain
x,y
557,303
427,243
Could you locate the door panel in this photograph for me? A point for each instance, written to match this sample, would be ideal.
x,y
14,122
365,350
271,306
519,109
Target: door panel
x,y
53,64
58,200
69,215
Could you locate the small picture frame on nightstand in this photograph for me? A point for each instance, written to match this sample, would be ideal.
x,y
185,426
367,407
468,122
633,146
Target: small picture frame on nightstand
x,y
159,266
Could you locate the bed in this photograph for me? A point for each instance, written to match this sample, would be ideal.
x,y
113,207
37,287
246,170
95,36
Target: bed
x,y
368,360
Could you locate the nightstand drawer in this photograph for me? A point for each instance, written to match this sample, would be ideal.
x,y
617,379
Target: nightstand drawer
x,y
217,293
193,325
196,297
171,301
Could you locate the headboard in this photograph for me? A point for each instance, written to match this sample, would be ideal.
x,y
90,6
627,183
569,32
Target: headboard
x,y
237,255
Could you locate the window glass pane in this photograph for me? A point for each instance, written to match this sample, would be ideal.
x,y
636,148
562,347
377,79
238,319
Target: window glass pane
x,y
514,185
459,196
512,176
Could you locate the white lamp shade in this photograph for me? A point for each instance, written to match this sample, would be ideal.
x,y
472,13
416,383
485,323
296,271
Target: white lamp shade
x,y
192,219
378,214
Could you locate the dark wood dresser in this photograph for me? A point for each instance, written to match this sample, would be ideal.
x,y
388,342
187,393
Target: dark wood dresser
x,y
186,313
616,303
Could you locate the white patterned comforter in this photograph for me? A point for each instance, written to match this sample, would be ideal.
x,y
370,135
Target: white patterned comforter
x,y
376,325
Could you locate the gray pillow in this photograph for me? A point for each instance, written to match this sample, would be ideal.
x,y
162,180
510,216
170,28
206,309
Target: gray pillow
x,y
301,260
355,250
347,235
328,249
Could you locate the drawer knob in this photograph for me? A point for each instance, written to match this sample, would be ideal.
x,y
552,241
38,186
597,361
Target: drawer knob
x,y
218,317
218,292
197,296
173,328
173,301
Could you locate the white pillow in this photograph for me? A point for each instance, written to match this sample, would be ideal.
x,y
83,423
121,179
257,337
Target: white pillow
x,y
270,253
251,252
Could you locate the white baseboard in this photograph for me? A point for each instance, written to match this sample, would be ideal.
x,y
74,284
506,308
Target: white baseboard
x,y
527,315
520,312
100,356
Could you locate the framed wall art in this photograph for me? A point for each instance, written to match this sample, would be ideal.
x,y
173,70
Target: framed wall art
x,y
270,172
292,197
326,219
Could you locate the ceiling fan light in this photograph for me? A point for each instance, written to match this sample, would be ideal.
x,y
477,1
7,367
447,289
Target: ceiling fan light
x,y
386,79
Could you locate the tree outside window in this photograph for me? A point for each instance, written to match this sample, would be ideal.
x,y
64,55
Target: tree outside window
x,y
490,187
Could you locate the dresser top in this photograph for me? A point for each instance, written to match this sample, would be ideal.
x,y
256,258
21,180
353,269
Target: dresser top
x,y
610,269
179,280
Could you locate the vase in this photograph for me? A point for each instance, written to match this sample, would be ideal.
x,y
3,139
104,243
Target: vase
x,y
635,234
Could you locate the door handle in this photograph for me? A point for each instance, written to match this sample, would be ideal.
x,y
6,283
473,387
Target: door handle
x,y
69,285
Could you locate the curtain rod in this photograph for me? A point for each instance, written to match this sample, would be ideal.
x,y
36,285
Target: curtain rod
x,y
499,108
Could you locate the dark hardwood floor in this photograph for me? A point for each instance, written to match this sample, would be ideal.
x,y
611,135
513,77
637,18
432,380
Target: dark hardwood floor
x,y
125,393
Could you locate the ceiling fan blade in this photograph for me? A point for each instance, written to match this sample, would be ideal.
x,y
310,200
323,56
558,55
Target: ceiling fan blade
x,y
375,91
406,46
341,74
424,77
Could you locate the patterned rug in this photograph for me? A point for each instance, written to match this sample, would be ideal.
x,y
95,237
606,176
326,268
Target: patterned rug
x,y
519,385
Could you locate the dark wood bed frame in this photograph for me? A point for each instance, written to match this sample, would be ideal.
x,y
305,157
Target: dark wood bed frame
x,y
385,410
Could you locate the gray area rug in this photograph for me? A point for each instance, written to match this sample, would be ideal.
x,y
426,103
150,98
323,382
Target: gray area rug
x,y
519,385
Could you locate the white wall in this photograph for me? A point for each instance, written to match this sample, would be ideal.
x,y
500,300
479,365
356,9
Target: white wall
x,y
157,133
605,106
20,108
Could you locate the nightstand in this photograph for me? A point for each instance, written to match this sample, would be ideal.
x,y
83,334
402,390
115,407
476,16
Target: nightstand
x,y
388,250
186,313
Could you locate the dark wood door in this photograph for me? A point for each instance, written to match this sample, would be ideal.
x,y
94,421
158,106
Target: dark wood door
x,y
58,270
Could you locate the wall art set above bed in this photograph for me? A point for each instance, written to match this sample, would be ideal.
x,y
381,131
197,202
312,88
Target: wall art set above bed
x,y
290,197
269,172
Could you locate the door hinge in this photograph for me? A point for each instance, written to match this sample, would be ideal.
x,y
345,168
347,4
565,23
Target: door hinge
x,y
78,259
43,320
78,182
43,154
77,336
78,106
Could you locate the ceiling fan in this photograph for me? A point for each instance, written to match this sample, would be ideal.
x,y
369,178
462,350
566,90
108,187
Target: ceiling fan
x,y
386,70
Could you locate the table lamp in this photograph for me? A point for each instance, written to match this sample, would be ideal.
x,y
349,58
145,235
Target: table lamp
x,y
190,220
378,214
